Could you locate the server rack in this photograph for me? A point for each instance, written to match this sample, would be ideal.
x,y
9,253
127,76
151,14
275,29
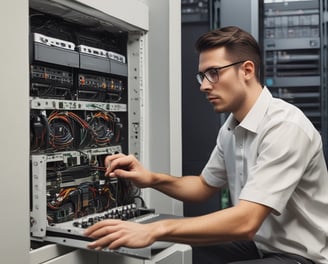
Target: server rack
x,y
293,52
84,105
324,71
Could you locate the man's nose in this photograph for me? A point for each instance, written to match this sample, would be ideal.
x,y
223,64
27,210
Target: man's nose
x,y
205,85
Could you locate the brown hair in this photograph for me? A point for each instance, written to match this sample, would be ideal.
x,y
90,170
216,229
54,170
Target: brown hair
x,y
239,44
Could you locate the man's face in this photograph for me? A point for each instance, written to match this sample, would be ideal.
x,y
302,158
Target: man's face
x,y
228,93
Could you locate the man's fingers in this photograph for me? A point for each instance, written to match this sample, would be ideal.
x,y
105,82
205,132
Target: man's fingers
x,y
122,174
106,241
118,161
116,243
110,158
99,229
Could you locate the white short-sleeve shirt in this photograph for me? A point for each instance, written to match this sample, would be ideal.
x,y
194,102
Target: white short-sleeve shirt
x,y
274,157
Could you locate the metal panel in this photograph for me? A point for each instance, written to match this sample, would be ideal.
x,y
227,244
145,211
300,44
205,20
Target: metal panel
x,y
163,148
89,62
74,257
56,55
118,68
175,254
43,254
242,13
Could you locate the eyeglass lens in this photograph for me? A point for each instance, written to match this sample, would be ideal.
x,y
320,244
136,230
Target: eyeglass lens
x,y
212,74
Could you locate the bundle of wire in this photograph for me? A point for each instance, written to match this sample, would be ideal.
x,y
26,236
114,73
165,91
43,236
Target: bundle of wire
x,y
39,131
68,130
102,123
82,200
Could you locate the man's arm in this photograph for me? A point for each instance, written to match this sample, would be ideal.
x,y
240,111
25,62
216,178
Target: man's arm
x,y
240,222
187,188
236,223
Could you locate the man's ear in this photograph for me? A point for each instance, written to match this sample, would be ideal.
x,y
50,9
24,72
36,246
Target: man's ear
x,y
249,69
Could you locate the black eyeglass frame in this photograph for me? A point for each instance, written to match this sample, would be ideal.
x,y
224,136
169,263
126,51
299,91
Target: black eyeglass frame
x,y
201,75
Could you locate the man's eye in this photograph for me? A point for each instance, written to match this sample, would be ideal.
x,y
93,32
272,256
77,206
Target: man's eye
x,y
211,72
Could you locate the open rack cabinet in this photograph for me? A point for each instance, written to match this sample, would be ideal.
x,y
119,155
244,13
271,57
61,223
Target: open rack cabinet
x,y
149,111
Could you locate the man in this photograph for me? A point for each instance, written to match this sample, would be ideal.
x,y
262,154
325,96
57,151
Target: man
x,y
267,152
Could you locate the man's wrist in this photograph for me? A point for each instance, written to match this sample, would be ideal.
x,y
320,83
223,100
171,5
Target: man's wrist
x,y
159,230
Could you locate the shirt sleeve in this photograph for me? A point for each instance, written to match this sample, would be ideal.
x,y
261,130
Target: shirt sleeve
x,y
281,162
214,173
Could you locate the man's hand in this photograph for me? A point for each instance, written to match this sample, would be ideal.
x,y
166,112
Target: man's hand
x,y
128,167
117,233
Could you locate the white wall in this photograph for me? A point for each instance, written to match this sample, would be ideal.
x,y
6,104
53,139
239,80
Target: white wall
x,y
14,140
164,96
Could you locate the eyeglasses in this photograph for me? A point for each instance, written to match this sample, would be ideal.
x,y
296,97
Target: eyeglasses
x,y
212,74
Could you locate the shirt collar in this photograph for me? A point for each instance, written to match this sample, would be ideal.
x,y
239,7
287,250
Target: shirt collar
x,y
253,118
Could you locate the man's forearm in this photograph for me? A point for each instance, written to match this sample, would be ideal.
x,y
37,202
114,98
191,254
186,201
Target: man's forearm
x,y
186,188
236,223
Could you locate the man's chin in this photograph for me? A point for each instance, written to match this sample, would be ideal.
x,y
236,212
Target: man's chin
x,y
219,109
